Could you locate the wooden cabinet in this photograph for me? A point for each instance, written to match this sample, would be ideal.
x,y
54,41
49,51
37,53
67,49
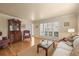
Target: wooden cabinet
x,y
14,30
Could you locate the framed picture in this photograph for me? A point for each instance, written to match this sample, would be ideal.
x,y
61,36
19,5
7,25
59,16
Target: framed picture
x,y
50,33
56,34
66,23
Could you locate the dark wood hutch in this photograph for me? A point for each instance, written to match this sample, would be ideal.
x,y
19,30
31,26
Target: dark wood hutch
x,y
14,30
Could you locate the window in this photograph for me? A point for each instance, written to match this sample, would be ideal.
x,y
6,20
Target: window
x,y
48,29
41,29
30,28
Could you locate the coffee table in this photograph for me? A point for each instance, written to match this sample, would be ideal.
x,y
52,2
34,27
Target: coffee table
x,y
45,46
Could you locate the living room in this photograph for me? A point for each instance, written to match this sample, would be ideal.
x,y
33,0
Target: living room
x,y
49,21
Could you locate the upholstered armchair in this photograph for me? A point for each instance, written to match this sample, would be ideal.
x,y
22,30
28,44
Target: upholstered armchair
x,y
26,34
3,41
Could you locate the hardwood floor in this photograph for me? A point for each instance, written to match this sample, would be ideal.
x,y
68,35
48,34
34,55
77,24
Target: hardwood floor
x,y
14,48
20,46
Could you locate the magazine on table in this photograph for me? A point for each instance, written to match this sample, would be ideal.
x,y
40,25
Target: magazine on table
x,y
45,43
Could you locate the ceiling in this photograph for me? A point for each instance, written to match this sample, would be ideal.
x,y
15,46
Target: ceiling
x,y
32,11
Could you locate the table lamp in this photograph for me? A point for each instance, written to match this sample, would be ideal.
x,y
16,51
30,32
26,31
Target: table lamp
x,y
71,30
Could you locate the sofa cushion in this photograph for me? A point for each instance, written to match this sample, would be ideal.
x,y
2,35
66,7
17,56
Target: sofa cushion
x,y
75,37
69,43
58,51
75,51
63,45
64,48
76,43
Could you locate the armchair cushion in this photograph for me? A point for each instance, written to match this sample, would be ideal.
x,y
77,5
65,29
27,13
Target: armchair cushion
x,y
61,52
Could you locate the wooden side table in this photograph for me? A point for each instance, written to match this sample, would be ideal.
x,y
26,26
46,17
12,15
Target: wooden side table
x,y
45,48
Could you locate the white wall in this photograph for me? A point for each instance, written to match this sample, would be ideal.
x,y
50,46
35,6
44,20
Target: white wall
x,y
78,22
4,23
71,18
63,31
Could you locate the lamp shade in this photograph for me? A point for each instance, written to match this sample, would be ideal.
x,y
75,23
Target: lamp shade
x,y
71,30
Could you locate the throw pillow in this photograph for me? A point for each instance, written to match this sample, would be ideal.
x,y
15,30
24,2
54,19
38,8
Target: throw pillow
x,y
75,37
69,43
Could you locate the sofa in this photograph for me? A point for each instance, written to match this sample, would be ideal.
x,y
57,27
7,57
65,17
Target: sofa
x,y
64,49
